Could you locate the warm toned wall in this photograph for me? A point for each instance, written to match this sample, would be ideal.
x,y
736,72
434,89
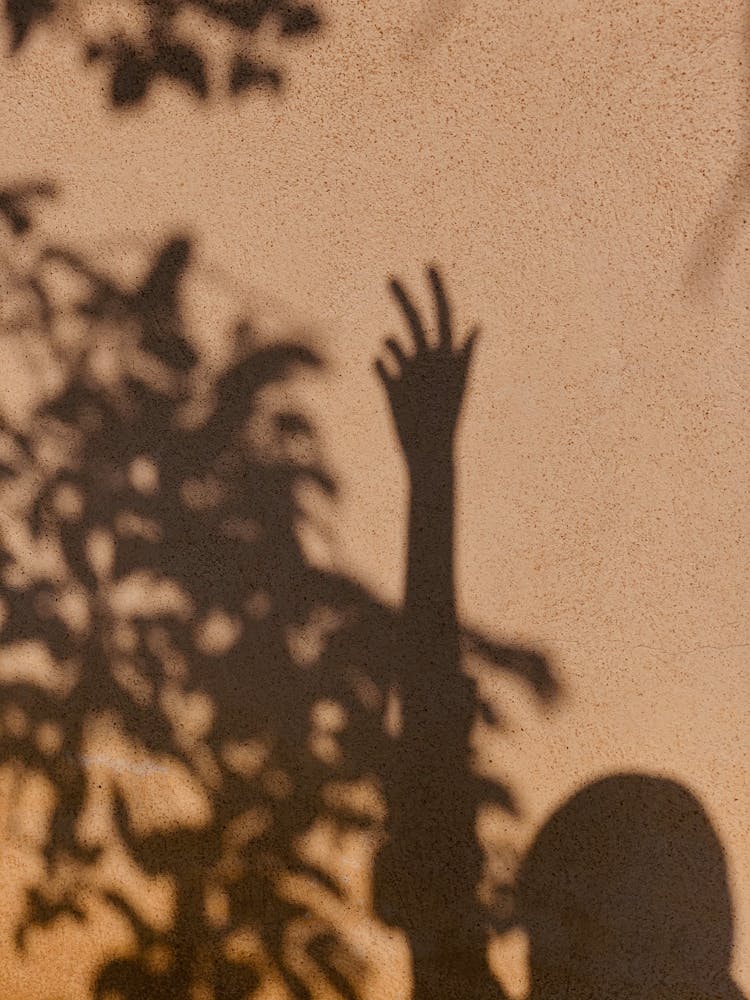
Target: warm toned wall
x,y
565,162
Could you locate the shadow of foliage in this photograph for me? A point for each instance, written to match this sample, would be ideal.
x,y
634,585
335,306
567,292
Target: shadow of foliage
x,y
154,572
142,42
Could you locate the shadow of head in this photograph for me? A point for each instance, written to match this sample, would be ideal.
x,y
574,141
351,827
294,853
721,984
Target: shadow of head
x,y
625,894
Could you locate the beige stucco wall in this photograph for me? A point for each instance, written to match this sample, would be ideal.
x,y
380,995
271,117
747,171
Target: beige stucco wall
x,y
577,168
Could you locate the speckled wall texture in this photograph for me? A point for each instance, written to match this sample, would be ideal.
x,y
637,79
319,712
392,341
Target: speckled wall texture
x,y
579,171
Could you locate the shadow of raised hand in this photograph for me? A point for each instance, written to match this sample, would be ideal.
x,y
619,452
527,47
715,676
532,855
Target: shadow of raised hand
x,y
428,873
425,389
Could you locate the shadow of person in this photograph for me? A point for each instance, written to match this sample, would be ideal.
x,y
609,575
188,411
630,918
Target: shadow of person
x,y
624,894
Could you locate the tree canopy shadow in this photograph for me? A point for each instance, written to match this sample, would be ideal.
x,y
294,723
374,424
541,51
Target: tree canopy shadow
x,y
143,42
157,590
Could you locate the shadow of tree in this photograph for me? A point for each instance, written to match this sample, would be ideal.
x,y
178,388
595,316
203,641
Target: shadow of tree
x,y
142,42
719,232
156,590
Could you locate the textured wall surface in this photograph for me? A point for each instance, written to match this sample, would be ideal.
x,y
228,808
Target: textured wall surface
x,y
580,172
